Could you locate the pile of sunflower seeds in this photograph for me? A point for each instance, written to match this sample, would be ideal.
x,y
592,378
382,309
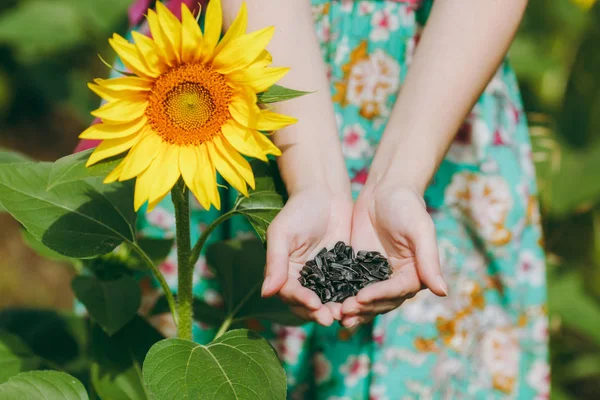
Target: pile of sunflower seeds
x,y
337,274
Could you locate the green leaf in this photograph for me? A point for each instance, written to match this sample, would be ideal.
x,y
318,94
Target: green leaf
x,y
278,93
11,157
157,249
239,265
266,200
41,249
77,219
116,371
58,337
15,357
237,365
43,385
579,311
58,27
72,168
202,311
112,304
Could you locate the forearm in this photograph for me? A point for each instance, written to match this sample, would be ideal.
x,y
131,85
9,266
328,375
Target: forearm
x,y
311,149
462,46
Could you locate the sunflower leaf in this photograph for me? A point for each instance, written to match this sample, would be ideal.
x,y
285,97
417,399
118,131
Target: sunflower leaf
x,y
239,264
72,168
266,200
278,93
237,365
112,304
116,371
15,357
43,385
78,219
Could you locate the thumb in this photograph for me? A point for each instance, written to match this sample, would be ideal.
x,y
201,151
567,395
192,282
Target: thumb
x,y
423,238
276,270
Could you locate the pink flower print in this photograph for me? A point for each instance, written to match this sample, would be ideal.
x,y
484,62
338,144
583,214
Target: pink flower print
x,y
366,8
203,270
499,138
169,269
213,298
359,179
355,368
531,269
288,342
378,392
384,22
354,142
379,335
322,368
539,379
163,219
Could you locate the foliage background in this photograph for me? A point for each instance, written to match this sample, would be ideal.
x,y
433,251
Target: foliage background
x,y
48,50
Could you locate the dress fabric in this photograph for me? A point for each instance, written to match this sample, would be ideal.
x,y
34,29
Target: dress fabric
x,y
488,339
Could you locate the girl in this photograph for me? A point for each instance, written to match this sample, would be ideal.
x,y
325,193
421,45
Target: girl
x,y
423,155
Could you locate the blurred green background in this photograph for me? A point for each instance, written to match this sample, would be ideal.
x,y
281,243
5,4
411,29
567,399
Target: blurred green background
x,y
48,50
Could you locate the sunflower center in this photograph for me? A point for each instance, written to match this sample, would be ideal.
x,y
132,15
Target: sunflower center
x,y
189,104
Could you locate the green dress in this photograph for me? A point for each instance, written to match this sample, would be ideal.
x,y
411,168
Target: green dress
x,y
489,338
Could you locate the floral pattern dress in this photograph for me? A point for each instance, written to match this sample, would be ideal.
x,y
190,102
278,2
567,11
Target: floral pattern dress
x,y
489,338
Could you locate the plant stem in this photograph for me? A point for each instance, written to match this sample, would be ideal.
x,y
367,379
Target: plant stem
x,y
185,269
161,279
224,326
204,237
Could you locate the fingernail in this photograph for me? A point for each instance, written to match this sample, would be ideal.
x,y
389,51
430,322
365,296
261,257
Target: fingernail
x,y
443,285
352,323
265,285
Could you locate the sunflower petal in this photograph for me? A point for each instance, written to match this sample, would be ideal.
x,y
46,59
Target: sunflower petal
x,y
213,25
231,165
266,145
159,38
207,176
121,110
171,28
141,155
243,140
130,57
104,131
242,51
145,180
114,95
263,60
244,110
149,53
259,79
271,121
109,148
188,166
115,173
168,175
237,28
191,36
127,83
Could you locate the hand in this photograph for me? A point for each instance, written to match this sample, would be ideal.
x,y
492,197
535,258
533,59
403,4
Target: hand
x,y
311,219
395,222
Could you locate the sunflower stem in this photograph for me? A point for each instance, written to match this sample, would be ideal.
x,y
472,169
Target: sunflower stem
x,y
185,269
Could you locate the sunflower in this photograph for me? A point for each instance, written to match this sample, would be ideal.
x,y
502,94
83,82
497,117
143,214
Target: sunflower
x,y
189,106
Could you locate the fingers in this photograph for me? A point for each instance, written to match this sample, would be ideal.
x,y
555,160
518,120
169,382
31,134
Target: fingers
x,y
294,293
351,307
424,240
321,316
403,284
336,310
276,270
